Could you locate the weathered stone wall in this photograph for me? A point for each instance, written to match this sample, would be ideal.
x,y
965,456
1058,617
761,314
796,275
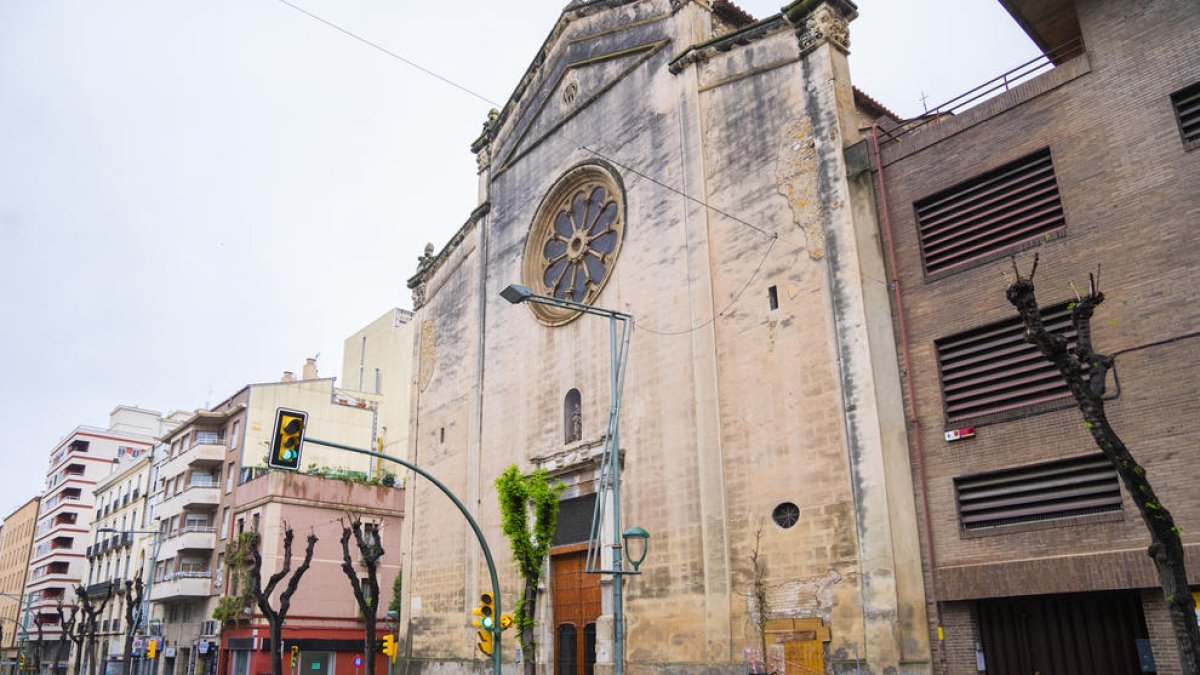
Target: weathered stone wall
x,y
730,407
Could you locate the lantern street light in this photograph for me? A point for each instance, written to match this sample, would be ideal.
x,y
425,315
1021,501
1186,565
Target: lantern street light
x,y
610,464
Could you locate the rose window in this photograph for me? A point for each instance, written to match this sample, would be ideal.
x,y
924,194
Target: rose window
x,y
574,241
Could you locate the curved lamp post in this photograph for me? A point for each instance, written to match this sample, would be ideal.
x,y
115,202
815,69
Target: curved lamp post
x,y
610,466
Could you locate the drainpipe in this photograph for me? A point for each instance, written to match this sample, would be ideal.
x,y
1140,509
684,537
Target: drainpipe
x,y
906,360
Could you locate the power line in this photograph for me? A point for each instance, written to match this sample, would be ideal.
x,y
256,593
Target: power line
x,y
727,307
580,145
773,235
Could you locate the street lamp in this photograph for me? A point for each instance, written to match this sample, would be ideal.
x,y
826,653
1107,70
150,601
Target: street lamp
x,y
610,465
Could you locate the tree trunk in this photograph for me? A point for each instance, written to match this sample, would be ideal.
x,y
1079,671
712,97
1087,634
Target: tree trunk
x,y
276,647
525,632
1084,372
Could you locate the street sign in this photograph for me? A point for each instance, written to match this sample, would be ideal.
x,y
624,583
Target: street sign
x,y
358,661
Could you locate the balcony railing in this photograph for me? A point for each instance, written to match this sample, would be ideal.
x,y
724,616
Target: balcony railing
x,y
1001,83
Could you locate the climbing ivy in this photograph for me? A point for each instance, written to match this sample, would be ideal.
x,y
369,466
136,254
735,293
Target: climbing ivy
x,y
519,495
231,608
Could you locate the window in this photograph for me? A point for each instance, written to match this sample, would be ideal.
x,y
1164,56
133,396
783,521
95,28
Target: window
x,y
371,534
786,515
1186,103
990,372
572,417
574,241
229,477
1060,489
225,522
1001,211
378,381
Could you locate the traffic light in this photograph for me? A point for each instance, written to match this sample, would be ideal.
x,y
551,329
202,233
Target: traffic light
x,y
389,646
506,621
288,439
151,648
486,621
295,655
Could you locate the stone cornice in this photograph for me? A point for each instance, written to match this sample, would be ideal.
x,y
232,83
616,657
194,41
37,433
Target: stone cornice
x,y
429,264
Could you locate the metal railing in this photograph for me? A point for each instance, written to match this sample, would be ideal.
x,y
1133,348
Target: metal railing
x,y
1032,68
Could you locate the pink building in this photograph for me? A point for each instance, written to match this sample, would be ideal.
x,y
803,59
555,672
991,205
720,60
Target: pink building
x,y
324,621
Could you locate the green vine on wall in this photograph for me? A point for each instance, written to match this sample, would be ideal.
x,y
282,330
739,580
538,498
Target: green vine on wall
x,y
519,496
231,608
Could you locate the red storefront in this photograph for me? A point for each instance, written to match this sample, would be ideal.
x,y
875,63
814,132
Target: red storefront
x,y
320,650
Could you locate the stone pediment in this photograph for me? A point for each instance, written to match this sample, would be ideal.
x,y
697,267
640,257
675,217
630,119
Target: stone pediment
x,y
580,70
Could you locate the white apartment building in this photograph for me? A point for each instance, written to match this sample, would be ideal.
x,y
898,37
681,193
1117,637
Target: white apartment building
x,y
83,458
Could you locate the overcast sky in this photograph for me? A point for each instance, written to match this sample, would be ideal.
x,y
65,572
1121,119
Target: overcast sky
x,y
198,195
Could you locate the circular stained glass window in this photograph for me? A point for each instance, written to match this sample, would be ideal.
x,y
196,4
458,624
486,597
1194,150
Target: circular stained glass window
x,y
574,241
786,515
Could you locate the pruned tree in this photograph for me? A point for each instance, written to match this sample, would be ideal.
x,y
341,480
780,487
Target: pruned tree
x,y
1084,370
66,623
366,591
133,618
72,626
519,495
88,625
262,596
37,654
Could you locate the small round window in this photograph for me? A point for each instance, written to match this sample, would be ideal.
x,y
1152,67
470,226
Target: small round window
x,y
786,515
574,241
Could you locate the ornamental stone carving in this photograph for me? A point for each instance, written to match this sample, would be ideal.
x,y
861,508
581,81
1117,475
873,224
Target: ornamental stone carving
x,y
818,22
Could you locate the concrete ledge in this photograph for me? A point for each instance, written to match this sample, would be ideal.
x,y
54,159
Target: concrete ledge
x,y
1104,571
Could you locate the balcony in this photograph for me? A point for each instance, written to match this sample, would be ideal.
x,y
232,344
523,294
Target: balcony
x,y
206,450
182,584
190,538
199,493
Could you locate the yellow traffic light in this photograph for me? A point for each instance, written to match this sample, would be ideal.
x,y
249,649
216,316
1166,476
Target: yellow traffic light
x,y
486,622
506,621
389,646
151,648
288,439
295,655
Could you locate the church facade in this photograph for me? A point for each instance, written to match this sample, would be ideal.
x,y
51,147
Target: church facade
x,y
677,161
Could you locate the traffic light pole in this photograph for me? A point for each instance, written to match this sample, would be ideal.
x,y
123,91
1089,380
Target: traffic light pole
x,y
487,552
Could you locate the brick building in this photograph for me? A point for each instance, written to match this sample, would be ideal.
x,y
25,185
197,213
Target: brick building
x,y
1035,555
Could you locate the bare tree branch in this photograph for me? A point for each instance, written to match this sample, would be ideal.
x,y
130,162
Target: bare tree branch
x,y
1084,371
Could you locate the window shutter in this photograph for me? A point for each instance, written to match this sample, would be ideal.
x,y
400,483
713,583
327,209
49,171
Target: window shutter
x,y
1187,112
997,212
1060,489
992,369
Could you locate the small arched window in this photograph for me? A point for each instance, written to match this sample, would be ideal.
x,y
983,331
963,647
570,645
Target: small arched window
x,y
572,417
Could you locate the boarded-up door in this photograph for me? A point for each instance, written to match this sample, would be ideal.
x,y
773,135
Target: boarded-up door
x,y
576,608
797,646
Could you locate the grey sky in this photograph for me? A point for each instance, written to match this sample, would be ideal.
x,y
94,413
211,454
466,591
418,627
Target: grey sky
x,y
197,195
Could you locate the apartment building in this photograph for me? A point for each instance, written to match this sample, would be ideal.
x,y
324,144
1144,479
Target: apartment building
x,y
119,552
324,622
15,547
1035,553
84,457
198,502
